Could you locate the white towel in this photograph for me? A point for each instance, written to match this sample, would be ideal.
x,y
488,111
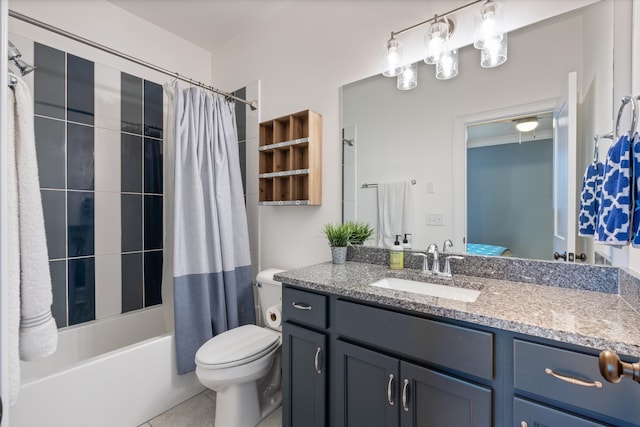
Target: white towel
x,y
395,211
34,335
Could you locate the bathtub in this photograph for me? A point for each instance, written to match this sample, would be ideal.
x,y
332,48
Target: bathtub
x,y
115,372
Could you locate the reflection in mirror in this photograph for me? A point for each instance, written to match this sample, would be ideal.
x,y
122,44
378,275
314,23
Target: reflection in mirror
x,y
394,136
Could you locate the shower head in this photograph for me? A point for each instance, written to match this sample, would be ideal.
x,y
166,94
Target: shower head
x,y
15,56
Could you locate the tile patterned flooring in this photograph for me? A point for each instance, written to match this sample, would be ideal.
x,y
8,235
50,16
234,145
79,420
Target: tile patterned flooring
x,y
199,412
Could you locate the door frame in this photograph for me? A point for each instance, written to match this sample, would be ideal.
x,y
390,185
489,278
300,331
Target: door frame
x,y
460,124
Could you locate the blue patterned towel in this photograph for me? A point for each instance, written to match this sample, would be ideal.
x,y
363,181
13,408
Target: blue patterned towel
x,y
636,175
590,199
614,212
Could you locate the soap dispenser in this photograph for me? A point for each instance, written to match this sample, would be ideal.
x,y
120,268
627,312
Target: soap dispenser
x,y
405,243
396,255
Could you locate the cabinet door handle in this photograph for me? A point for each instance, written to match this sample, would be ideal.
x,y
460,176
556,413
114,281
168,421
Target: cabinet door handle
x,y
317,360
301,306
390,390
571,380
405,397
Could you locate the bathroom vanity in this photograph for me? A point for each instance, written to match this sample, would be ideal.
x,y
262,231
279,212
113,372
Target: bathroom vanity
x,y
522,354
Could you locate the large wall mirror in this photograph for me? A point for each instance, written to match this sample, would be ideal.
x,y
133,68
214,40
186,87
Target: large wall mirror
x,y
474,172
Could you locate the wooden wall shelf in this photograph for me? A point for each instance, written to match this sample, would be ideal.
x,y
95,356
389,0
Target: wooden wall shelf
x,y
290,160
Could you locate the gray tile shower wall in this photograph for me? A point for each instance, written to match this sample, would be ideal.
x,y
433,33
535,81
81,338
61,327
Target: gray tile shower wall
x,y
565,275
99,145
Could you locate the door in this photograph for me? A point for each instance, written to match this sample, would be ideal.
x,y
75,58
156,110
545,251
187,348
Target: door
x,y
429,398
304,377
367,393
564,171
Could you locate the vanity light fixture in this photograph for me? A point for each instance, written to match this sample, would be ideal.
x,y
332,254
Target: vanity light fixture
x,y
527,124
490,38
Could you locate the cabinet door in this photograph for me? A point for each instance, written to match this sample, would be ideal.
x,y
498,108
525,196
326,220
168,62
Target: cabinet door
x,y
304,377
367,391
429,398
529,414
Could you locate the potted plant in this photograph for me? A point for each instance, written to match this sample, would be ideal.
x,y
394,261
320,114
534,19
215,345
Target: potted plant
x,y
360,232
338,237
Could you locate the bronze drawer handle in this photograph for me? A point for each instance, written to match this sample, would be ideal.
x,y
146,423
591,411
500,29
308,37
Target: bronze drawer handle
x,y
301,306
571,380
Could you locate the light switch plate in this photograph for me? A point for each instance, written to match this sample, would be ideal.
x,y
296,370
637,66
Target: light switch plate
x,y
436,219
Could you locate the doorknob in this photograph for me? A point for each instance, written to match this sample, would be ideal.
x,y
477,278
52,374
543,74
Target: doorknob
x,y
613,369
557,256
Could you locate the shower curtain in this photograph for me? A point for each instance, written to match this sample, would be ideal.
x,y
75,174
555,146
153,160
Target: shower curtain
x,y
212,279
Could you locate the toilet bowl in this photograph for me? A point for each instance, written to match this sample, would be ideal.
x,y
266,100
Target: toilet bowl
x,y
242,365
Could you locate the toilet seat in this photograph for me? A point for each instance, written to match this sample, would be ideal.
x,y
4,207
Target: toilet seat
x,y
236,347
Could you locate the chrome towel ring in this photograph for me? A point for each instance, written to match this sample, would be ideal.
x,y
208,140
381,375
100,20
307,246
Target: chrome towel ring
x,y
634,115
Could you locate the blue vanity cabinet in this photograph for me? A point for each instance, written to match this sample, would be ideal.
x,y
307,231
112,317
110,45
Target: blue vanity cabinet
x,y
304,359
566,382
392,361
378,390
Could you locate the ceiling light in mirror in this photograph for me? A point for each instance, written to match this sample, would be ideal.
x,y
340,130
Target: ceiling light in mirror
x,y
408,78
392,58
527,124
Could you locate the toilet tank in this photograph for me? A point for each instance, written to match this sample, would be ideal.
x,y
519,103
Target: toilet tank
x,y
269,291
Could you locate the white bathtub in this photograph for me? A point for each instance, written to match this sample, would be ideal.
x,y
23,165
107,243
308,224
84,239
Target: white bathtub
x,y
116,372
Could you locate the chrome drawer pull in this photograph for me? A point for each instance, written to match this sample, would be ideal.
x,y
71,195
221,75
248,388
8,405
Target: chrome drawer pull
x,y
405,392
317,360
390,390
571,380
302,306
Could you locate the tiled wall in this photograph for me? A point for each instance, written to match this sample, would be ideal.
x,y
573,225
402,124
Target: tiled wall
x,y
99,145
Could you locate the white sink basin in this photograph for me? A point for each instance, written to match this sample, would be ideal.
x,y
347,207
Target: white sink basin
x,y
431,289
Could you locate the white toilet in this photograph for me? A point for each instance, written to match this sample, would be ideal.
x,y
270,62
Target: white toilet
x,y
243,365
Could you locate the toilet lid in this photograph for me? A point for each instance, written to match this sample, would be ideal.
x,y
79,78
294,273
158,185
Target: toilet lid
x,y
237,346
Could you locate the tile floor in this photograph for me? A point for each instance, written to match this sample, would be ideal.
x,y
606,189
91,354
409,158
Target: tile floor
x,y
199,412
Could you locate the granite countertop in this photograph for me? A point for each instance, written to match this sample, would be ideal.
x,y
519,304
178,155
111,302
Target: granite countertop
x,y
591,319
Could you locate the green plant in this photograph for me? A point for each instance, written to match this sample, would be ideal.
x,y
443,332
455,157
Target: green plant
x,y
337,235
360,231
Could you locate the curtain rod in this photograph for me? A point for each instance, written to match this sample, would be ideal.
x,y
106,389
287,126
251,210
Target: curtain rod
x,y
252,104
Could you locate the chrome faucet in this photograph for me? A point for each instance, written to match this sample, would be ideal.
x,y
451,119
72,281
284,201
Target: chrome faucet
x,y
447,265
447,244
433,249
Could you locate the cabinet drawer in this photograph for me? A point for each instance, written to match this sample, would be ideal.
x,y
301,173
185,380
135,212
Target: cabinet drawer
x,y
531,414
535,366
455,347
304,307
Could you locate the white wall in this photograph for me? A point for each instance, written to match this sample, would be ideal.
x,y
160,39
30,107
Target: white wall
x,y
302,57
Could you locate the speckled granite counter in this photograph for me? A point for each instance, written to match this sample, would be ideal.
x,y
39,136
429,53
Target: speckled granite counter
x,y
596,320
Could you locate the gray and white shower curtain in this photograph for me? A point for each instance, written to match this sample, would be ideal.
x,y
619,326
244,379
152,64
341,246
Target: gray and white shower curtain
x,y
212,279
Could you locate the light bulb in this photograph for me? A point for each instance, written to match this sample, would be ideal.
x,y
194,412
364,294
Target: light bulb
x,y
392,58
494,53
488,24
447,68
435,41
408,77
